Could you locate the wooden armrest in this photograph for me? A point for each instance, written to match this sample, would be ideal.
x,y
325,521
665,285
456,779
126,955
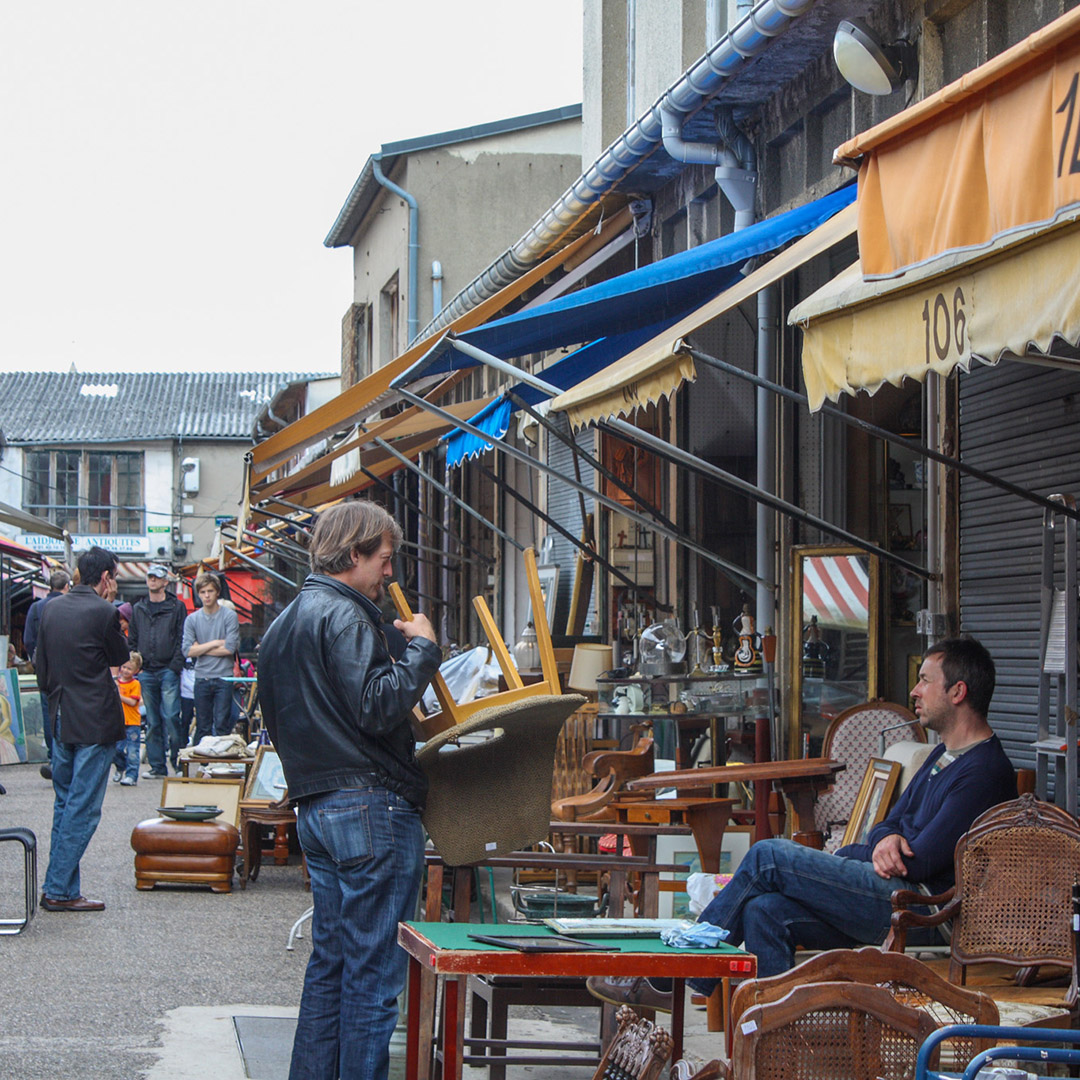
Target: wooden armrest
x,y
905,898
715,1069
902,920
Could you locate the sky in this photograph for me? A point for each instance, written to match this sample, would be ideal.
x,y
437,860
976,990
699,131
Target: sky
x,y
170,170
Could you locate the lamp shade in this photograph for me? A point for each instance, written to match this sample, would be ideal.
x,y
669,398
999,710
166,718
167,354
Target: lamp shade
x,y
590,661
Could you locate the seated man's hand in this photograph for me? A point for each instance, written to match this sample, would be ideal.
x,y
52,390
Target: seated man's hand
x,y
889,855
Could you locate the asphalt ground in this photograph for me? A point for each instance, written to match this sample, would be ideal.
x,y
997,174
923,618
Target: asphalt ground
x,y
151,986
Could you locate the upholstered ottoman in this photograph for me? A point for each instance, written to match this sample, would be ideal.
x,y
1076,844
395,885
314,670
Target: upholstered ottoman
x,y
187,852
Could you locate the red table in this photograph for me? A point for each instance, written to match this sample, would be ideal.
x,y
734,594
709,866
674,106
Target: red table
x,y
445,949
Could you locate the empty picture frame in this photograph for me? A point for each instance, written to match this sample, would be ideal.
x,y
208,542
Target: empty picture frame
x,y
189,791
266,781
874,798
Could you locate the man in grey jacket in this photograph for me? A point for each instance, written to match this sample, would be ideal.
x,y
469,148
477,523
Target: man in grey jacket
x,y
338,709
211,638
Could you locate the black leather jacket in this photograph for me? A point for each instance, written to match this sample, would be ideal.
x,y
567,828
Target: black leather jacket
x,y
336,705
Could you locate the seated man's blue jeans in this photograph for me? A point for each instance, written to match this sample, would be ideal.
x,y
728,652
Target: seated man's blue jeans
x,y
364,849
161,696
80,777
213,707
785,895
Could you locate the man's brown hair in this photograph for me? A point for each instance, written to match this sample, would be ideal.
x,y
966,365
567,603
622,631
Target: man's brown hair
x,y
351,526
207,579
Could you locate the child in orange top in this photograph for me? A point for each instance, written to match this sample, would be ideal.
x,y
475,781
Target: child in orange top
x,y
126,760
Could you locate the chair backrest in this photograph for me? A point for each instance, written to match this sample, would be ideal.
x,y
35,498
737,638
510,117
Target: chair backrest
x,y
830,1029
453,713
909,980
854,737
1015,868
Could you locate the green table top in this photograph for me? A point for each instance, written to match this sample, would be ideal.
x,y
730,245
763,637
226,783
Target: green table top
x,y
456,936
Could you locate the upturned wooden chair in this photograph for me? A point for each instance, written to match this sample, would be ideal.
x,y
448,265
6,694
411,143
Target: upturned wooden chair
x,y
828,1029
1011,910
451,713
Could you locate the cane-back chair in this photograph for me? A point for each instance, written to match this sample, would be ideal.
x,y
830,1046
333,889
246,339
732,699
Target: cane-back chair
x,y
1011,908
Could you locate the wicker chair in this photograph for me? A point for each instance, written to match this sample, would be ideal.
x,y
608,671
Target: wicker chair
x,y
1010,909
830,1029
909,980
854,737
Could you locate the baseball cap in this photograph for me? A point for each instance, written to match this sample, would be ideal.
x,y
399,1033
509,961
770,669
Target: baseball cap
x,y
157,570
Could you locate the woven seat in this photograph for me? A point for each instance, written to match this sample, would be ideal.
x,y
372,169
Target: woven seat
x,y
494,796
1011,909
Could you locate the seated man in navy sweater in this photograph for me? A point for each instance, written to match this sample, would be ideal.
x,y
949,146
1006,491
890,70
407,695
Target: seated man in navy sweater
x,y
785,895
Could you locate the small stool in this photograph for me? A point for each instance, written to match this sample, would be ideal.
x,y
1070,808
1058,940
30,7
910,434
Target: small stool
x,y
29,843
185,852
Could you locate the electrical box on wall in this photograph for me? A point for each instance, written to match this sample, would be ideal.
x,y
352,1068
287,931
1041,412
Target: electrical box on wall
x,y
189,471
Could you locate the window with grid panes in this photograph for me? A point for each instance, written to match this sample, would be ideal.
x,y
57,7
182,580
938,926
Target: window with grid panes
x,y
86,492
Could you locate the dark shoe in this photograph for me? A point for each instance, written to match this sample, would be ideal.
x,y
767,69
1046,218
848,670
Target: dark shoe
x,y
623,990
151,775
80,903
46,772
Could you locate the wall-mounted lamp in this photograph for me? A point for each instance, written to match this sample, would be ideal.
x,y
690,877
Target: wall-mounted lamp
x,y
868,65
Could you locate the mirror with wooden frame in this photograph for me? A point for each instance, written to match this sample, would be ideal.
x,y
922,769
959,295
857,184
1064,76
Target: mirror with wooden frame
x,y
833,647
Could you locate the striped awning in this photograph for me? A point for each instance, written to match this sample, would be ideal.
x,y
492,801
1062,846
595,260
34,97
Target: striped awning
x,y
836,588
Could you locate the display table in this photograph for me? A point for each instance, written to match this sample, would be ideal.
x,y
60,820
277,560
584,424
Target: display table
x,y
444,949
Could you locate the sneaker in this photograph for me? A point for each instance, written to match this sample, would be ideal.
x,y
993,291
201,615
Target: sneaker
x,y
116,776
46,772
151,775
629,990
128,782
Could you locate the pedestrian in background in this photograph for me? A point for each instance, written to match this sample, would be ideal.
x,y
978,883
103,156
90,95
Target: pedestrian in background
x,y
126,761
211,638
59,583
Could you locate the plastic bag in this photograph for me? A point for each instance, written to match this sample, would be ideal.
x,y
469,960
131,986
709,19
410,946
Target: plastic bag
x,y
702,888
468,675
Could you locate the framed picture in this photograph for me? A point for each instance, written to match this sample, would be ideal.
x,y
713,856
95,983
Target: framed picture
x,y
34,719
549,586
266,781
188,791
875,795
674,900
12,737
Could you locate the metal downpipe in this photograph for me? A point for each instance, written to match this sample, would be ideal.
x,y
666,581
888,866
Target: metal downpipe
x,y
414,244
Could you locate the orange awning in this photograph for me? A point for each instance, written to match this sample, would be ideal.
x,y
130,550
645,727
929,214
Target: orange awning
x,y
996,150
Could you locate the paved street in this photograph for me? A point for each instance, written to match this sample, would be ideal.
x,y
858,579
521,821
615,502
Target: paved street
x,y
149,988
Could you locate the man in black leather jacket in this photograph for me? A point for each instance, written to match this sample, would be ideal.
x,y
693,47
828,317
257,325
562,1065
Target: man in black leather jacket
x,y
338,710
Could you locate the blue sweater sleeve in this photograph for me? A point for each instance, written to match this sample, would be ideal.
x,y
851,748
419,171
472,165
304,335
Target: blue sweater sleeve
x,y
938,808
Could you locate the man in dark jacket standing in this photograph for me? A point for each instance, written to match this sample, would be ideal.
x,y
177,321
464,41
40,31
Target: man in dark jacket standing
x,y
156,631
59,583
79,640
338,710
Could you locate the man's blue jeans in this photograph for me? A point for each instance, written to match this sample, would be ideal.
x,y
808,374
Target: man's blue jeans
x,y
80,777
213,707
161,696
784,895
364,849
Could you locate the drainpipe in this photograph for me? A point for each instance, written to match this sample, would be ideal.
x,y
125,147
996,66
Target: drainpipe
x,y
763,24
436,287
414,243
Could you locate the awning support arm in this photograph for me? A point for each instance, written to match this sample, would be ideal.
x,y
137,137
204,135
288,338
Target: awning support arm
x,y
606,473
415,507
435,483
512,451
683,457
890,436
288,548
508,369
303,525
256,565
582,547
281,552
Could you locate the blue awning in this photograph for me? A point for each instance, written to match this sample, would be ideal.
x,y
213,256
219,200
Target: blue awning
x,y
614,316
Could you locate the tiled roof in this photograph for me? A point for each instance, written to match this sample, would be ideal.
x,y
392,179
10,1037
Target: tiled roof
x,y
70,407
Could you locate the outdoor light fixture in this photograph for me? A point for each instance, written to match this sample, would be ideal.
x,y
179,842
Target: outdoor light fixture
x,y
868,65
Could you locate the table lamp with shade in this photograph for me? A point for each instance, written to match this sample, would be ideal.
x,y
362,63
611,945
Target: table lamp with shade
x,y
589,663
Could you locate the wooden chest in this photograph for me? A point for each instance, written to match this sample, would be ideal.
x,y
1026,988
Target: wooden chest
x,y
184,852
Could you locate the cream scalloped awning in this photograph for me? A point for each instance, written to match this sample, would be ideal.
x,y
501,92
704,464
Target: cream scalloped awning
x,y
1014,297
660,366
